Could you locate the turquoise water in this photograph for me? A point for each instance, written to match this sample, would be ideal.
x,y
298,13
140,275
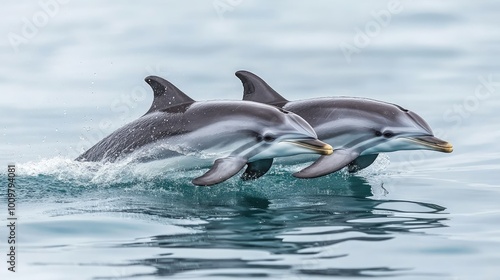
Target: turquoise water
x,y
75,77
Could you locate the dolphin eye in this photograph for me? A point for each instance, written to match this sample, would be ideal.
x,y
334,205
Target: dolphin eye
x,y
269,138
378,133
388,134
282,110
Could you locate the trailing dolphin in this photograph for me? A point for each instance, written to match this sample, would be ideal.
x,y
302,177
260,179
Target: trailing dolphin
x,y
194,133
358,128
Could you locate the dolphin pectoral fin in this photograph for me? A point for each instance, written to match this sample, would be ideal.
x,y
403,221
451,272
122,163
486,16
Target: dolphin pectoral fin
x,y
256,169
328,164
223,169
361,162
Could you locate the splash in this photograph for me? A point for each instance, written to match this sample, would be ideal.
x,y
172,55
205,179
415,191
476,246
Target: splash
x,y
122,172
64,175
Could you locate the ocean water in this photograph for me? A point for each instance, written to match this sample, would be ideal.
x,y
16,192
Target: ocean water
x,y
72,72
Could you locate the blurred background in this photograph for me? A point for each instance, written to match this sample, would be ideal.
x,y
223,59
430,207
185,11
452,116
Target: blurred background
x,y
73,72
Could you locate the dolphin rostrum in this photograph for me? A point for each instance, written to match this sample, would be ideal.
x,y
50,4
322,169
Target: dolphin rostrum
x,y
358,128
234,133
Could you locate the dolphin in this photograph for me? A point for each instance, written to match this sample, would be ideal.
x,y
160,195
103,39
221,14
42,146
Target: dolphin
x,y
234,133
358,128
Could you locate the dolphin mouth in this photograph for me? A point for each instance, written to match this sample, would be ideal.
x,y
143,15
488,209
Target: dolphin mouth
x,y
315,145
434,143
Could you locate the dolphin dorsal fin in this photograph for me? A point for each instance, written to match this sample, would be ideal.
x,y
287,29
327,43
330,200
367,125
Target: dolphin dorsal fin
x,y
165,94
255,89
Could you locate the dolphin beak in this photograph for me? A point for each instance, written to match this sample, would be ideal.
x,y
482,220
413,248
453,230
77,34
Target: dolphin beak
x,y
319,147
433,143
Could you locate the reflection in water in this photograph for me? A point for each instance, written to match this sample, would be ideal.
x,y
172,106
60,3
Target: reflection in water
x,y
277,226
261,232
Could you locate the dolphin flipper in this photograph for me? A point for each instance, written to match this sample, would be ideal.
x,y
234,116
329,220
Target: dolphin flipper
x,y
223,169
328,164
361,162
256,169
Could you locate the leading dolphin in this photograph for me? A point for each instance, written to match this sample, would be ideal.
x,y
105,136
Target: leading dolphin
x,y
235,133
358,128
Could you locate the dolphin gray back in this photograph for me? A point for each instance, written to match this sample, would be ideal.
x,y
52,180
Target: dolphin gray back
x,y
149,127
174,114
319,111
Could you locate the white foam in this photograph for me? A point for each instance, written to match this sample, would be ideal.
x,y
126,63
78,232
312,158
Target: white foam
x,y
59,167
126,171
